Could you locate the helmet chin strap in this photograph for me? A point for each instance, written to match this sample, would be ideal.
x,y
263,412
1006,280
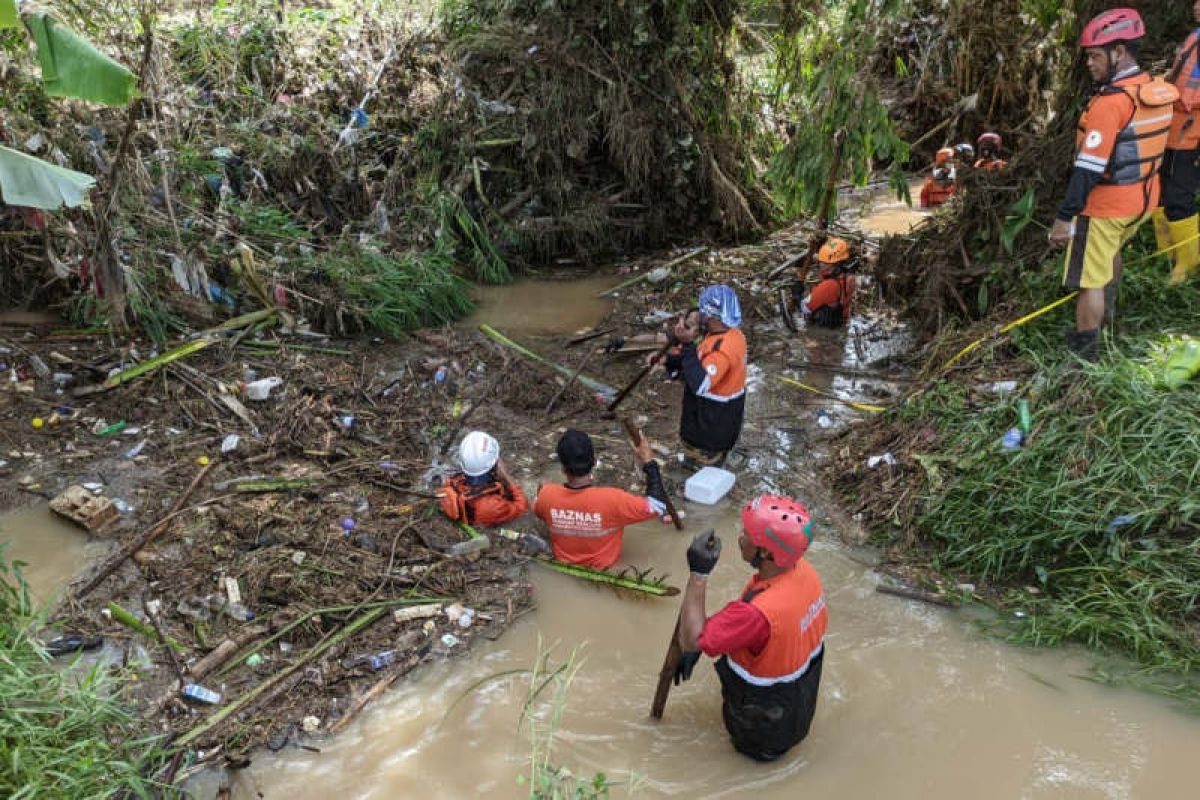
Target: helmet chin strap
x,y
758,559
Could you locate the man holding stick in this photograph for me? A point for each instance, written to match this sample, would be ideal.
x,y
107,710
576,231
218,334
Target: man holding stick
x,y
713,374
770,641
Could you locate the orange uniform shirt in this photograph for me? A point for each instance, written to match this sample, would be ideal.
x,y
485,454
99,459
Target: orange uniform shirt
x,y
1185,122
587,525
492,504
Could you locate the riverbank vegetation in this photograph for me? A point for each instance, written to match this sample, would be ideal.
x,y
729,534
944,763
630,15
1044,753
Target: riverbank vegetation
x,y
64,732
1089,532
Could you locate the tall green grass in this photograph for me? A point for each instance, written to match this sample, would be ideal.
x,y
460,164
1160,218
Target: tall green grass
x,y
1099,511
63,733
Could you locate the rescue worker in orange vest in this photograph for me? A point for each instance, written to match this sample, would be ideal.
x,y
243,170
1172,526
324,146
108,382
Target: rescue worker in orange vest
x,y
830,302
484,493
1176,224
940,185
714,377
587,522
1114,185
989,153
770,642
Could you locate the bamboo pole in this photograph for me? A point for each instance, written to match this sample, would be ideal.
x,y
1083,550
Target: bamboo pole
x,y
639,278
591,383
607,578
138,370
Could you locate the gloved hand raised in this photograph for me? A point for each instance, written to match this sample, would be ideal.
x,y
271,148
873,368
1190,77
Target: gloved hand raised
x,y
703,553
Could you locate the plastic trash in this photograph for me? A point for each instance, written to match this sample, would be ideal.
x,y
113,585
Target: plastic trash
x,y
254,659
193,608
472,545
194,691
121,505
39,367
348,525
261,389
136,450
347,421
824,420
1012,439
381,660
439,377
109,430
450,640
1182,364
72,643
1003,387
708,485
1024,417
230,443
886,458
530,541
466,618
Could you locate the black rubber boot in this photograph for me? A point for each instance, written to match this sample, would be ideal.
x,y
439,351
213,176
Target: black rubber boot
x,y
1085,344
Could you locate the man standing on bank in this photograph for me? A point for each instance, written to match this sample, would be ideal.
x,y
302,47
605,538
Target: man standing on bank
x,y
714,377
1114,184
770,641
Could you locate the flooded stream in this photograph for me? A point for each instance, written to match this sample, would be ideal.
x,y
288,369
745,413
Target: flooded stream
x,y
915,702
541,306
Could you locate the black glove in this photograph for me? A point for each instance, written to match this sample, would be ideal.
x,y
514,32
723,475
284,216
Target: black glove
x,y
703,554
615,343
687,663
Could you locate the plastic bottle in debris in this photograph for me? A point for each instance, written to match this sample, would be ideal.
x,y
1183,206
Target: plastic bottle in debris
x,y
201,694
1024,417
467,617
474,544
1012,439
261,389
530,541
381,660
238,611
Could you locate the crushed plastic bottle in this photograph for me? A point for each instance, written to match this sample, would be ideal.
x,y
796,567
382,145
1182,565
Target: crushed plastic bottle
x,y
439,377
136,450
201,694
1012,439
230,443
381,660
261,389
238,611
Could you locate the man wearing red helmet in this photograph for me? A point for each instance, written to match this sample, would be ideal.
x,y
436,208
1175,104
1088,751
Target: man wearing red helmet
x,y
771,641
1114,185
989,152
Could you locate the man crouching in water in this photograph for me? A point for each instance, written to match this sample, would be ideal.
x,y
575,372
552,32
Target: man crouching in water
x,y
771,641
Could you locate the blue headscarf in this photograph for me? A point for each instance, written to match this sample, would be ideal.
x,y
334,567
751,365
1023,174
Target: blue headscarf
x,y
721,302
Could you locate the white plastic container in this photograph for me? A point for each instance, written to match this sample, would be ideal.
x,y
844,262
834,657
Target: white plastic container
x,y
261,389
708,485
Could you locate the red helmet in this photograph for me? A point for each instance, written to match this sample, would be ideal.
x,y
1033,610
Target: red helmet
x,y
988,138
1114,25
780,525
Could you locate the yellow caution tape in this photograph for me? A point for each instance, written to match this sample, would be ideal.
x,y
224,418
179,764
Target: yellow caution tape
x,y
1010,326
1164,251
860,406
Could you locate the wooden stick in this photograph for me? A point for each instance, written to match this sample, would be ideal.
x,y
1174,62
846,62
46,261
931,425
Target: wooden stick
x,y
478,401
662,351
571,380
383,683
635,436
141,541
667,673
587,337
915,594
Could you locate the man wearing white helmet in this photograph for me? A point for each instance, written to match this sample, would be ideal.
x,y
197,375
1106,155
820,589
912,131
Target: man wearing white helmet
x,y
484,493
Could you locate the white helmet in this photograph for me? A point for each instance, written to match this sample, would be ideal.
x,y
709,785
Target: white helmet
x,y
478,453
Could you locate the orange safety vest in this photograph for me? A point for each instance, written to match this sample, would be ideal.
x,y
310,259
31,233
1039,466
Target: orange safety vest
x,y
1139,147
1185,77
492,503
936,192
794,605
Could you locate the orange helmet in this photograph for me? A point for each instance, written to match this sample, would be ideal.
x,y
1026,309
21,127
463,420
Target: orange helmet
x,y
944,156
834,251
779,525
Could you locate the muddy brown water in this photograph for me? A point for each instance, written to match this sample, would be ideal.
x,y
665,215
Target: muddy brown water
x,y
53,549
915,701
884,215
540,306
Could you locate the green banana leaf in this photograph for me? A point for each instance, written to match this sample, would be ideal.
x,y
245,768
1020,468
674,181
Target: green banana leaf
x,y
73,67
9,18
29,181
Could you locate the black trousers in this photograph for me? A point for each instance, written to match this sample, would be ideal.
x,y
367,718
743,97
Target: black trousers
x,y
1180,180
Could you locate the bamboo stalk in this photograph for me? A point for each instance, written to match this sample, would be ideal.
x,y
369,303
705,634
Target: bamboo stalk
x,y
591,383
607,578
306,348
275,485
127,619
138,370
571,380
639,278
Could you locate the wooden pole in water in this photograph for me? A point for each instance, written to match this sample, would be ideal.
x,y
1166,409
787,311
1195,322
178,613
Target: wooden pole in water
x,y
667,673
662,351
